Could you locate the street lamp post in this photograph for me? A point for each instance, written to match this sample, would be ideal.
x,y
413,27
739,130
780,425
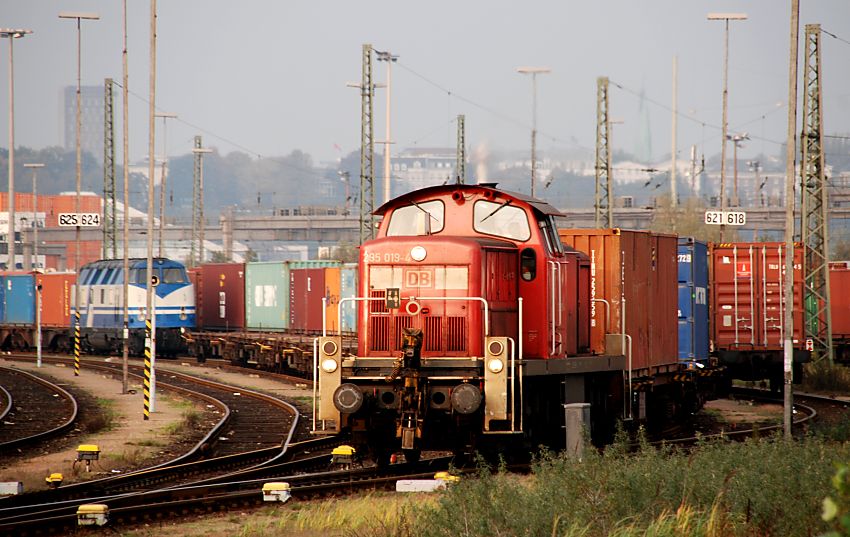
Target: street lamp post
x,y
725,17
12,34
165,116
533,71
201,151
35,167
78,16
736,139
389,58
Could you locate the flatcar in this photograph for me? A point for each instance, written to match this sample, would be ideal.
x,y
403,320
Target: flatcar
x,y
101,288
477,325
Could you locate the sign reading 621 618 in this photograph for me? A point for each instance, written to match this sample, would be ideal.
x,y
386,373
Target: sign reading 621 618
x,y
81,219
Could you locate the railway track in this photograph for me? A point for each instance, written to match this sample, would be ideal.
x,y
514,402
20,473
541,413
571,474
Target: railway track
x,y
34,410
264,425
214,497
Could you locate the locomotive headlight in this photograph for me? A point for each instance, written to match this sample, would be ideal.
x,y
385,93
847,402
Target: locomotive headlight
x,y
495,365
418,253
329,365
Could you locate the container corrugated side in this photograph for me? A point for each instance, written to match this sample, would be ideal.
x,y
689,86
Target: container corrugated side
x,y
20,299
693,299
839,293
56,298
306,289
348,289
222,304
640,268
267,296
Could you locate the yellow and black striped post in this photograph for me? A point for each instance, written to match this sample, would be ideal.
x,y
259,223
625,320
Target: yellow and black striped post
x,y
147,389
76,343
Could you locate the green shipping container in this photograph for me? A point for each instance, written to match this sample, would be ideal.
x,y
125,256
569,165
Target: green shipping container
x,y
267,292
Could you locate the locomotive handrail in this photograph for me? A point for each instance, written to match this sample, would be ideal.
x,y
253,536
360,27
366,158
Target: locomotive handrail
x,y
513,384
468,298
339,309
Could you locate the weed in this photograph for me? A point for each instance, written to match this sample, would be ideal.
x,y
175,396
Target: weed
x,y
103,420
190,421
822,376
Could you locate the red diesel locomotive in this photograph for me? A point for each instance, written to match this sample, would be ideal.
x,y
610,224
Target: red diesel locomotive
x,y
474,327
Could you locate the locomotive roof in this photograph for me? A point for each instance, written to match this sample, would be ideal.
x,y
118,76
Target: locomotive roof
x,y
134,262
431,191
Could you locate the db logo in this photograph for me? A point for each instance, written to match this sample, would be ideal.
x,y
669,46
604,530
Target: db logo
x,y
418,278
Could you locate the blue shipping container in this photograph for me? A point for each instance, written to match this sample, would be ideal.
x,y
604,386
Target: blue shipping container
x,y
348,289
19,299
693,300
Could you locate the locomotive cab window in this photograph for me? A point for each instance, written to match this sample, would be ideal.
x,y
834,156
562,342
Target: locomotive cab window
x,y
501,219
550,235
417,219
173,275
528,264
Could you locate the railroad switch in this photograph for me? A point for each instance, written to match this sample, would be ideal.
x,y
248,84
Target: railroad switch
x,y
54,480
87,453
92,514
277,491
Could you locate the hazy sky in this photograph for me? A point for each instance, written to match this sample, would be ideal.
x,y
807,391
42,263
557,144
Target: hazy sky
x,y
268,77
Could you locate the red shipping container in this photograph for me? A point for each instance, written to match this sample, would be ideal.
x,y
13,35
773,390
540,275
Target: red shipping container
x,y
747,293
306,289
640,268
839,294
56,298
221,296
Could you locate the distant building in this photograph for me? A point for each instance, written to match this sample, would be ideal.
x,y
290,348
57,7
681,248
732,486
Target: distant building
x,y
416,168
91,114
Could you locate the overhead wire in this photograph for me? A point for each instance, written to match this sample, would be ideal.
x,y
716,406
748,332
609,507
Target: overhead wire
x,y
227,140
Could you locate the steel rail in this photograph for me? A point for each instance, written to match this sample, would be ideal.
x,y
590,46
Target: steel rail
x,y
61,428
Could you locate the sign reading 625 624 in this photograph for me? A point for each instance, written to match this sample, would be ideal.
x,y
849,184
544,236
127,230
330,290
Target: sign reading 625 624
x,y
81,219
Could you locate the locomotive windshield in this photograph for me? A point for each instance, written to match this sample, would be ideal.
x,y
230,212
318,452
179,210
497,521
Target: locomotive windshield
x,y
417,219
501,219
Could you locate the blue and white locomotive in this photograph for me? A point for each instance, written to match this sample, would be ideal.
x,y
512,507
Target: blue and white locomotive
x,y
101,286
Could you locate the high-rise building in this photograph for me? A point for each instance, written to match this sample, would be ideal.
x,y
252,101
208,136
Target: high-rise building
x,y
91,112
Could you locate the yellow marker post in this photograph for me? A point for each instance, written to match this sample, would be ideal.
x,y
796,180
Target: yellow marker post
x,y
147,388
76,343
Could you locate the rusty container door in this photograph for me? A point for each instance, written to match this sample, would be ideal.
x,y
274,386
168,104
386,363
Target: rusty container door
x,y
306,288
747,290
222,304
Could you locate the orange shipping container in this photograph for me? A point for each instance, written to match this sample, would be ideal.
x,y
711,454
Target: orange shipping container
x,y
635,272
56,298
332,293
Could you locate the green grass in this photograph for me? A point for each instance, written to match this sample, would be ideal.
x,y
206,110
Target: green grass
x,y
764,487
190,421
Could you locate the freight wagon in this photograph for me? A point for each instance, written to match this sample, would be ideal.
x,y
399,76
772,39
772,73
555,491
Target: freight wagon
x,y
19,301
267,314
748,310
